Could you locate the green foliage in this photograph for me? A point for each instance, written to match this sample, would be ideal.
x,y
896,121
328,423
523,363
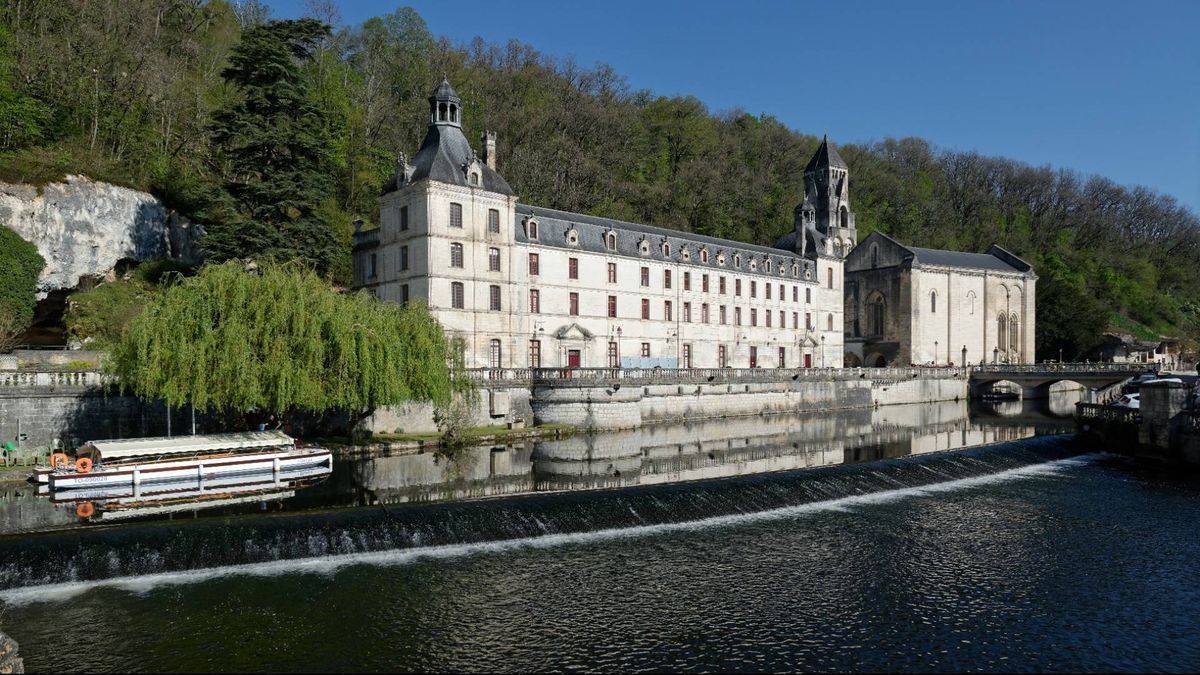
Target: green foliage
x,y
281,340
307,125
105,312
273,144
20,265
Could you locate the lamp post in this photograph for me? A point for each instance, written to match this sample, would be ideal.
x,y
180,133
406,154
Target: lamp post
x,y
964,359
935,352
995,355
618,346
822,351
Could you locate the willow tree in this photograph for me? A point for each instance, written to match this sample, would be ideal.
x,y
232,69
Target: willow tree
x,y
279,340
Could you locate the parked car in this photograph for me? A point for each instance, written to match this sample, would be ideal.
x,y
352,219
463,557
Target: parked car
x,y
1133,401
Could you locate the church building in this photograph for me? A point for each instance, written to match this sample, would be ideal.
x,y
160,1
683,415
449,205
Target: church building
x,y
919,306
524,285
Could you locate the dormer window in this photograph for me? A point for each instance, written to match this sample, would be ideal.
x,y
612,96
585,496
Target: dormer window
x,y
768,264
721,259
573,237
666,249
644,247
685,253
474,178
795,270
531,228
753,265
610,241
703,255
737,261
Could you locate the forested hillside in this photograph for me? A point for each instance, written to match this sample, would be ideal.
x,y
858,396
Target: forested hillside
x,y
142,93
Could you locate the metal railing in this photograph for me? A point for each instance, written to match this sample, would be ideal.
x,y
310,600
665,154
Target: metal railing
x,y
1107,413
576,376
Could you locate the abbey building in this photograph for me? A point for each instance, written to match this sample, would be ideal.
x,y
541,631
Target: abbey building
x,y
524,285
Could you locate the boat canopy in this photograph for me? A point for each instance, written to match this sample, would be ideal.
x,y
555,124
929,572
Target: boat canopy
x,y
178,445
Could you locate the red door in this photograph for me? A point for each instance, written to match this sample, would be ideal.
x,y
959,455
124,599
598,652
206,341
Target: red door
x,y
808,360
573,358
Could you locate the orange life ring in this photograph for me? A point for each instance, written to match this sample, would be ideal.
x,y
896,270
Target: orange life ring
x,y
83,465
85,509
59,459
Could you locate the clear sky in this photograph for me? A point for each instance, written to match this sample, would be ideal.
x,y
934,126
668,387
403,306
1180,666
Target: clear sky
x,y
1097,86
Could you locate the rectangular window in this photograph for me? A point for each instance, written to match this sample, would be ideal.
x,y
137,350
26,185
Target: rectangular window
x,y
737,316
645,276
645,308
494,350
795,321
829,277
687,312
574,304
667,311
783,357
403,218
721,285
612,273
494,259
737,287
754,357
753,317
455,214
612,306
456,294
722,357
687,356
782,319
666,278
722,313
645,350
372,266
782,295
704,283
532,229
614,356
403,258
768,315
494,297
533,264
768,289
795,294
687,281
535,353
573,268
704,313
753,288
493,220
808,321
535,301
404,294
456,255
808,295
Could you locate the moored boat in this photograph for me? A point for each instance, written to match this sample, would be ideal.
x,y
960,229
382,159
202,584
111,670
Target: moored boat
x,y
154,460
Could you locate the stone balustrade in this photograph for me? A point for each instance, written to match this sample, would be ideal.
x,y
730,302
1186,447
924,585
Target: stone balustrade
x,y
14,379
649,376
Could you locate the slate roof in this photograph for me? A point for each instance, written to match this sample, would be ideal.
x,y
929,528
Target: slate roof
x,y
972,261
444,155
825,155
553,226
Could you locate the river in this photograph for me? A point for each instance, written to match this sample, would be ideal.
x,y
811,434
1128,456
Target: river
x,y
914,538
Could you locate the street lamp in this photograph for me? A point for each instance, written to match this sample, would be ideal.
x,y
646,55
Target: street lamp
x,y
822,351
935,352
995,355
964,359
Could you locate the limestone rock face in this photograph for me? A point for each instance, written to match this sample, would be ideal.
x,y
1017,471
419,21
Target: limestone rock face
x,y
83,228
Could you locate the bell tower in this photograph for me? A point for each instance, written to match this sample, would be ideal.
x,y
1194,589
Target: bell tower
x,y
445,107
827,189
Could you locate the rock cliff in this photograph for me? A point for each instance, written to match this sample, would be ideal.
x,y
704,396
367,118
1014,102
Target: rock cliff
x,y
83,228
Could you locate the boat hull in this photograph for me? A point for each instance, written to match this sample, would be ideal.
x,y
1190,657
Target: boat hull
x,y
191,469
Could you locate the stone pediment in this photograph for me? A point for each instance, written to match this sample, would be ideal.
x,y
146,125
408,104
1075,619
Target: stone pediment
x,y
573,331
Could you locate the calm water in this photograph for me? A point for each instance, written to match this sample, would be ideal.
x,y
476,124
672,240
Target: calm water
x,y
1031,554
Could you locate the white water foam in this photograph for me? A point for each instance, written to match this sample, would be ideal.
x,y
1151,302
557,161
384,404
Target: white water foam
x,y
330,564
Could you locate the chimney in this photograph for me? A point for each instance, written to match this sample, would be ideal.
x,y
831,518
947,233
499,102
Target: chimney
x,y
489,149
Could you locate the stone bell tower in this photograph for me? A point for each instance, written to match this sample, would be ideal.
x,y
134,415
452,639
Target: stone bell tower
x,y
827,194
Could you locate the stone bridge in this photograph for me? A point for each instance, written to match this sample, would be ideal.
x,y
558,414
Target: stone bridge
x,y
1101,380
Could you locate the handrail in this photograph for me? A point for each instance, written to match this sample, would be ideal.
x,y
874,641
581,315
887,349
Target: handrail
x,y
52,378
1108,413
700,375
1062,368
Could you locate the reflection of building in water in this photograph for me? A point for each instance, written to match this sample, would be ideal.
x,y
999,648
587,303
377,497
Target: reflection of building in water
x,y
429,477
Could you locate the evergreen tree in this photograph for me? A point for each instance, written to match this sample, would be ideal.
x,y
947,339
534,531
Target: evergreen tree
x,y
20,265
274,151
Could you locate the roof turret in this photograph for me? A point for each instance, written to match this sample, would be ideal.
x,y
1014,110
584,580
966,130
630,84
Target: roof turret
x,y
825,156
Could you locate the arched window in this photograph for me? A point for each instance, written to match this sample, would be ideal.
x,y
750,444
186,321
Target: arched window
x,y
1014,334
703,255
533,229
874,256
971,301
737,261
667,250
610,240
875,315
933,302
441,112
1002,333
453,113
845,217
829,322
474,178
768,264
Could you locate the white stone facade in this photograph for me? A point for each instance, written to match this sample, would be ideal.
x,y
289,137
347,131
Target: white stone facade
x,y
913,306
526,286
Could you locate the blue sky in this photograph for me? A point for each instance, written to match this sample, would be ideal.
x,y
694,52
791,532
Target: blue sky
x,y
1100,87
